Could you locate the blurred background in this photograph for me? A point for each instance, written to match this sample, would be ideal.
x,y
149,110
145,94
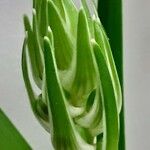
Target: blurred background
x,y
13,97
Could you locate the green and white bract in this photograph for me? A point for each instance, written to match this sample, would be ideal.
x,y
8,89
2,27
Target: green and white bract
x,y
66,54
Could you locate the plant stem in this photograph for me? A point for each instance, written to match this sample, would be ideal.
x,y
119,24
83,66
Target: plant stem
x,y
110,13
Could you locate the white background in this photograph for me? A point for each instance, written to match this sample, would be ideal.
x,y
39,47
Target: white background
x,y
13,98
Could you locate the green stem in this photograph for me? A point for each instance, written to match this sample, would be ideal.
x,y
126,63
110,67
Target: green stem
x,y
110,13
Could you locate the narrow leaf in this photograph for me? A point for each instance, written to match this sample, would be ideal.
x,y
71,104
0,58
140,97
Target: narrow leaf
x,y
103,42
111,126
10,138
110,12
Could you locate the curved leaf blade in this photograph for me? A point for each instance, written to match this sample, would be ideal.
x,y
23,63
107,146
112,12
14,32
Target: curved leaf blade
x,y
111,123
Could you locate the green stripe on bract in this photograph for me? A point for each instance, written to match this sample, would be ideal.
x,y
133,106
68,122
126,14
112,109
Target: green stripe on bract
x,y
71,15
85,75
63,44
32,52
34,99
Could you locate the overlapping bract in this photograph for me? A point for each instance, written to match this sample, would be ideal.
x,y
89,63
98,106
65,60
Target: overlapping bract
x,y
66,54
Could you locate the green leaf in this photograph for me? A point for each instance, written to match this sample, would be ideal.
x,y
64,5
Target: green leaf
x,y
110,12
10,138
111,117
102,40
